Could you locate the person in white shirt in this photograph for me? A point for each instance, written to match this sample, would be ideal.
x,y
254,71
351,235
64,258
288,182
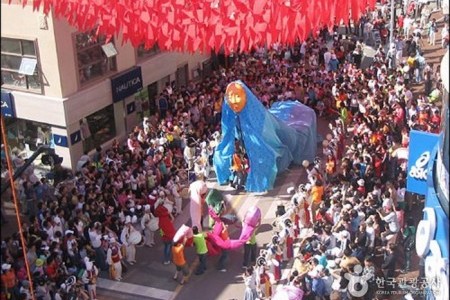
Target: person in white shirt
x,y
370,236
444,35
387,200
407,22
127,230
58,221
250,284
390,217
49,229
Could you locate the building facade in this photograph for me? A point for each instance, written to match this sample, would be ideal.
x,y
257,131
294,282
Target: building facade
x,y
76,91
428,174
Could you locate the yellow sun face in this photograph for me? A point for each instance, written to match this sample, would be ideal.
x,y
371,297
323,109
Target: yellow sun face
x,y
236,97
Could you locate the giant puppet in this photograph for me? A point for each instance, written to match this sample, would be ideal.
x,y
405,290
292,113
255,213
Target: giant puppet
x,y
272,139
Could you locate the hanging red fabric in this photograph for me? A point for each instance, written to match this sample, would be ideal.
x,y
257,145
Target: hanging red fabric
x,y
204,25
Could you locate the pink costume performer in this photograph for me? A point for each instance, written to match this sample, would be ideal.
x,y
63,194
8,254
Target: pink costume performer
x,y
252,220
198,191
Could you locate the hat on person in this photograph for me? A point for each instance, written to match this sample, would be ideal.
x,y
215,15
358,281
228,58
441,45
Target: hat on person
x,y
39,262
344,234
305,163
369,221
127,219
112,240
360,182
134,219
25,284
6,267
69,232
319,268
147,207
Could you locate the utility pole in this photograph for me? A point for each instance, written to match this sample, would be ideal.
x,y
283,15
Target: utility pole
x,y
392,23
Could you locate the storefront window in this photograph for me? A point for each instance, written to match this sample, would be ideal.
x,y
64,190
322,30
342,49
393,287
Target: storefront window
x,y
26,136
19,64
98,128
92,60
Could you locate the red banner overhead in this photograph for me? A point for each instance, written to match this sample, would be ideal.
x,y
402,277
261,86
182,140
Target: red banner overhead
x,y
202,25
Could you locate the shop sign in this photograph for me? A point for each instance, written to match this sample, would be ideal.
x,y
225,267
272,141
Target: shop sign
x,y
60,140
8,105
75,137
420,148
126,84
131,107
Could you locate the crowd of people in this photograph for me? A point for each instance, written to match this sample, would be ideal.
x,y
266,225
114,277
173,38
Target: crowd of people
x,y
353,204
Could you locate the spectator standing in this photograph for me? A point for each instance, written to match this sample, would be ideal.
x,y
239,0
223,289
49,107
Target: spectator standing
x,y
9,281
388,266
250,284
409,240
444,36
432,29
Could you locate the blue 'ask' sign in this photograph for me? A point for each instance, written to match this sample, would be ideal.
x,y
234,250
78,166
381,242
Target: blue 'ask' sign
x,y
8,105
126,84
421,146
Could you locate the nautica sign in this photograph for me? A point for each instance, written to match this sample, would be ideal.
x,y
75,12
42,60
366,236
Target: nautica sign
x,y
126,84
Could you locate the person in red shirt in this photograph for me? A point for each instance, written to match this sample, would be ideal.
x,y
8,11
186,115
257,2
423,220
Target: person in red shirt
x,y
9,281
400,21
435,121
167,229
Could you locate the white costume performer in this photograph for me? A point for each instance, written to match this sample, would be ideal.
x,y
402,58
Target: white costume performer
x,y
125,237
89,277
175,189
189,156
149,224
113,258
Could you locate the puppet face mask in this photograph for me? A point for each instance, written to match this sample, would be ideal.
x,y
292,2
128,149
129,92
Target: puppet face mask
x,y
236,97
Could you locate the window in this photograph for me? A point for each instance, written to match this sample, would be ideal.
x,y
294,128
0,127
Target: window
x,y
19,65
98,128
92,60
146,53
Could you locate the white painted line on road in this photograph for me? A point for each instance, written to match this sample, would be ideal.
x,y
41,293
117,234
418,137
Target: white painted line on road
x,y
134,289
270,213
